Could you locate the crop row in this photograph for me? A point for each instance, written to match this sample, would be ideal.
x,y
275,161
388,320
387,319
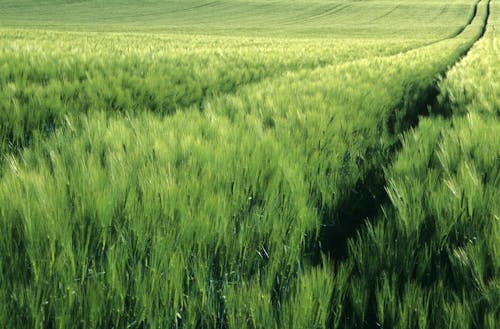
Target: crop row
x,y
433,259
43,82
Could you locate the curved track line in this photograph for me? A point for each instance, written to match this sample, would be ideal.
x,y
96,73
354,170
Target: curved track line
x,y
471,19
337,251
281,74
387,13
331,11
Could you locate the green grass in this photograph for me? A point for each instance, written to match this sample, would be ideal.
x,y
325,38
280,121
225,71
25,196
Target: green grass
x,y
216,173
433,259
320,18
74,73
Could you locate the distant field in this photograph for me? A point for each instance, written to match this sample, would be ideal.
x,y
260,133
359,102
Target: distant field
x,y
318,18
249,164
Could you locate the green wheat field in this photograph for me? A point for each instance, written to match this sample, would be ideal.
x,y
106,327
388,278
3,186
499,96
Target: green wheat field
x,y
250,164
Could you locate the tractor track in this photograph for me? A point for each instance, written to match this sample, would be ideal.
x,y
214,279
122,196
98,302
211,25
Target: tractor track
x,y
343,223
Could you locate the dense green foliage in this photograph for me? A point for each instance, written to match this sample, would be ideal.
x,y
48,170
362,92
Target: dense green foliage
x,y
62,74
433,259
172,180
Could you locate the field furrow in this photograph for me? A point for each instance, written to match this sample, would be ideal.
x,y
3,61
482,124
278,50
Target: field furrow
x,y
437,240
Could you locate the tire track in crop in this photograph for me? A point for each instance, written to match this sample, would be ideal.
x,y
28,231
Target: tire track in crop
x,y
373,193
154,12
383,202
460,30
387,13
483,27
469,22
280,74
369,192
332,10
